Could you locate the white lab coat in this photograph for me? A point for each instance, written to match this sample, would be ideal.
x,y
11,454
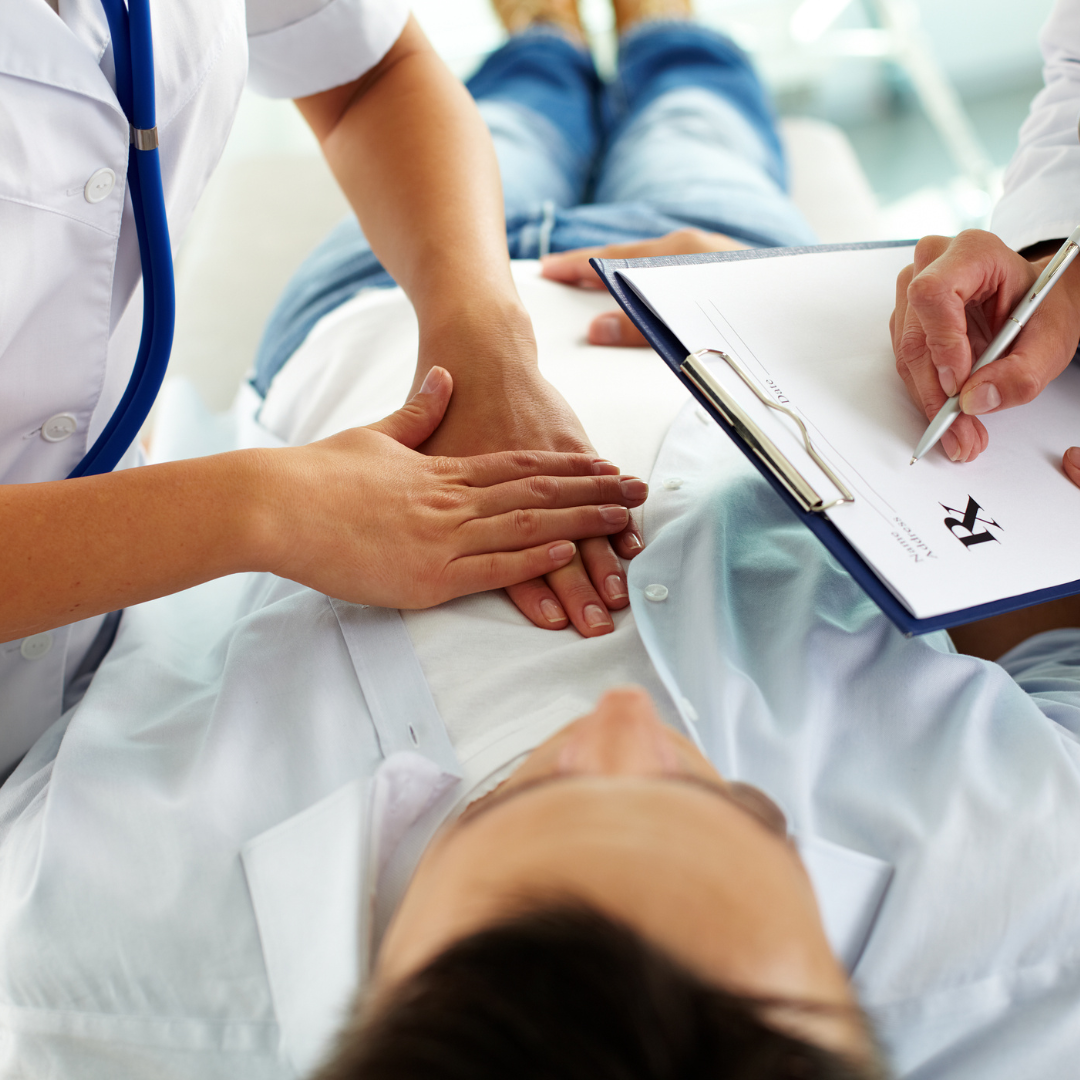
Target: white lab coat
x,y
188,878
1042,183
69,261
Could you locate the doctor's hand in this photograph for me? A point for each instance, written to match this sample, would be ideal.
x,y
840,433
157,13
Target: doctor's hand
x,y
572,268
362,516
501,402
949,305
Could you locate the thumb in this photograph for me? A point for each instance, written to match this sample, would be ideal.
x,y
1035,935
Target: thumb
x,y
1071,464
572,268
422,413
614,328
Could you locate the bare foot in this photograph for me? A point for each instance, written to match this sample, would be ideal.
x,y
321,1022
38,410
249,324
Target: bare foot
x,y
518,15
630,12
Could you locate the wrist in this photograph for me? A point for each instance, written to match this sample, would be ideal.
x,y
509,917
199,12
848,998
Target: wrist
x,y
475,337
256,529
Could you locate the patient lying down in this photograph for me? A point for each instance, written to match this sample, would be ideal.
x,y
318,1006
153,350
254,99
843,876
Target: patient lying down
x,y
457,836
644,917
553,876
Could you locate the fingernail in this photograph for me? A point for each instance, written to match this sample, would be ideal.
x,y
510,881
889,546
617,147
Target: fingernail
x,y
633,543
980,399
948,381
605,330
615,587
603,467
633,489
595,616
614,514
431,380
561,551
951,445
552,612
1072,456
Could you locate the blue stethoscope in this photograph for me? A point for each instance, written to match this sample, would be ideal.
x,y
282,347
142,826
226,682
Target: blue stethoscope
x,y
133,55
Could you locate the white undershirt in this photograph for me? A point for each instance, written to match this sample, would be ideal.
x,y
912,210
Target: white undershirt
x,y
491,672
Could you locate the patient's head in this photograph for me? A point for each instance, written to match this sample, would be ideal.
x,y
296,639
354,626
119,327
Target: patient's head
x,y
615,908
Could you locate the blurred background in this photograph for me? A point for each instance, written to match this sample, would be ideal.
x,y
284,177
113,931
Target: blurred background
x,y
930,92
898,115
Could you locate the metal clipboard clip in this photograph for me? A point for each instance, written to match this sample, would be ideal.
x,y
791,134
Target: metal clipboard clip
x,y
760,443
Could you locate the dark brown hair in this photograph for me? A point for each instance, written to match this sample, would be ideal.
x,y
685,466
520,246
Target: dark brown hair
x,y
566,993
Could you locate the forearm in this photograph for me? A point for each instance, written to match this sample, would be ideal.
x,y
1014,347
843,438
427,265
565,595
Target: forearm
x,y
77,548
415,159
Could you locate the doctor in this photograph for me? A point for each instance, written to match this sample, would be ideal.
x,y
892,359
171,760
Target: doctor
x,y
416,162
954,298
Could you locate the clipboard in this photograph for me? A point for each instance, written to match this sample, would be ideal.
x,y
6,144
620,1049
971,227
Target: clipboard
x,y
780,475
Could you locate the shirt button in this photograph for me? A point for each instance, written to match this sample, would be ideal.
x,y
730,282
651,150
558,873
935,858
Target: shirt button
x,y
674,483
702,415
59,427
100,185
689,711
34,648
656,593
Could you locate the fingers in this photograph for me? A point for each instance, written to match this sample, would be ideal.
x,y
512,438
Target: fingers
x,y
614,328
629,542
974,268
486,470
526,528
555,493
605,572
421,414
572,267
507,570
579,598
546,602
1071,464
965,440
1043,350
535,600
588,588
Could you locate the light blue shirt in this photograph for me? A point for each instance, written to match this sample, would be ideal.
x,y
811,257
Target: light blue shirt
x,y
183,859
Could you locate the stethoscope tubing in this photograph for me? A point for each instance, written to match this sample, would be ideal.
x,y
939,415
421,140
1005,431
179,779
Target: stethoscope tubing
x,y
133,57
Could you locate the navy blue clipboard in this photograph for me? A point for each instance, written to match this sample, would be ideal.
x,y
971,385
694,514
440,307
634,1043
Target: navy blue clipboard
x,y
673,353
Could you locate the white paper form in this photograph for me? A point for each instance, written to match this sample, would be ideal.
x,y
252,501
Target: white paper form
x,y
813,329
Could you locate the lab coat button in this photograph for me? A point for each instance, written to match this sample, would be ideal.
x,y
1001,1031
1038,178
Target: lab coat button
x,y
689,711
34,648
100,185
656,593
59,427
674,483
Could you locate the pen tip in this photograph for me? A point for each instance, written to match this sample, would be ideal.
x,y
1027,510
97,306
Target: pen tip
x,y
912,461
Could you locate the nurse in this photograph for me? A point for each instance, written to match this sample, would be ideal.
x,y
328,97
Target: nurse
x,y
959,291
361,516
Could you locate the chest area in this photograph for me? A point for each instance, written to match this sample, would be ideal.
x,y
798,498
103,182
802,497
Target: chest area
x,y
59,116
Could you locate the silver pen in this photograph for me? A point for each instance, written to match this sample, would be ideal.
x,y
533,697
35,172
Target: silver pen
x,y
1006,336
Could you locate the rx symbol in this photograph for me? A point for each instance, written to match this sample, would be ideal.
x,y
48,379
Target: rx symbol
x,y
967,524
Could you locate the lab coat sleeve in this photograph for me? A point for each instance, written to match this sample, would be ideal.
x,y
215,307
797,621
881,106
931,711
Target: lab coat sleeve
x,y
1042,182
301,47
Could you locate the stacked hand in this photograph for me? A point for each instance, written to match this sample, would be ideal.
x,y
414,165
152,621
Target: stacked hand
x,y
364,517
949,306
510,406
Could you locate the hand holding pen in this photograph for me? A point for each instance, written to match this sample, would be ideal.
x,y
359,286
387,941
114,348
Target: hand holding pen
x,y
948,306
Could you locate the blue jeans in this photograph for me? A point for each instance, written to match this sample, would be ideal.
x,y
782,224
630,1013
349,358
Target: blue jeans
x,y
684,135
